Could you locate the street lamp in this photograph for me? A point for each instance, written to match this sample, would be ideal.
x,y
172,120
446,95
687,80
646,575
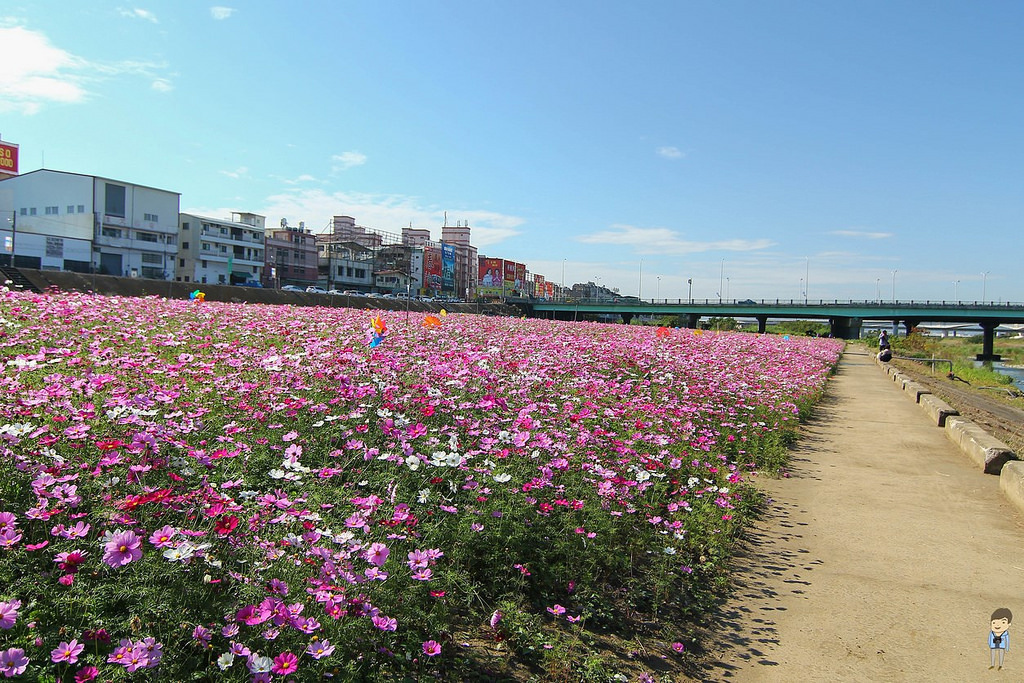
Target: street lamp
x,y
984,281
894,285
727,289
563,278
689,289
721,282
640,284
659,287
878,291
956,291
807,279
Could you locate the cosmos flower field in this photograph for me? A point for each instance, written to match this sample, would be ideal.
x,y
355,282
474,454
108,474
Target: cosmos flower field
x,y
207,491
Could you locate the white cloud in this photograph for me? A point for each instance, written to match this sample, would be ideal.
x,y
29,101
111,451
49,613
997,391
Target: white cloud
x,y
862,234
385,213
347,160
304,178
239,172
665,241
44,74
221,13
40,74
670,152
138,13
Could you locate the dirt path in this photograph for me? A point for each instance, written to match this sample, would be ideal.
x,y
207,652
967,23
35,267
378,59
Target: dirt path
x,y
883,557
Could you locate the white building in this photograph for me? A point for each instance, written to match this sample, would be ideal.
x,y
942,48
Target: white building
x,y
220,251
68,221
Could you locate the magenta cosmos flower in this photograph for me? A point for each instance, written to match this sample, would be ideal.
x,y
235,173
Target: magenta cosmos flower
x,y
9,613
285,663
122,548
67,652
431,648
13,662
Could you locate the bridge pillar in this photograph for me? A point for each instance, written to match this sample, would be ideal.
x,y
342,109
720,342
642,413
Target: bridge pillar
x,y
988,329
692,319
626,317
844,328
762,323
909,324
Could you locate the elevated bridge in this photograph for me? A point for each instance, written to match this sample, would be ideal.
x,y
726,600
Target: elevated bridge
x,y
845,317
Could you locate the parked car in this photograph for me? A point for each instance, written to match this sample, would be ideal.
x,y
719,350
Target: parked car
x,y
352,292
251,283
292,288
313,289
335,292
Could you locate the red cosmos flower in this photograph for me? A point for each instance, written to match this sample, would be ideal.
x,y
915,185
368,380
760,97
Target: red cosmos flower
x,y
225,525
110,445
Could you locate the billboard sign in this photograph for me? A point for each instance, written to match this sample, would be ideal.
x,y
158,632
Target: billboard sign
x,y
491,273
448,267
432,269
8,158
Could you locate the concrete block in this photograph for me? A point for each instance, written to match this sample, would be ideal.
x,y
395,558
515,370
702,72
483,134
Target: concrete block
x,y
939,410
1011,483
985,450
914,390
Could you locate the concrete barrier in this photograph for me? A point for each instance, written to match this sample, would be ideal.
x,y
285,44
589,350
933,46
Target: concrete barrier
x,y
914,390
1011,483
984,449
938,409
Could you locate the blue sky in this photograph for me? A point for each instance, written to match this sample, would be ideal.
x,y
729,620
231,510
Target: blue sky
x,y
763,149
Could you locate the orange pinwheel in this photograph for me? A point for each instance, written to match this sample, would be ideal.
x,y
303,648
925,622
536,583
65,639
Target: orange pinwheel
x,y
431,321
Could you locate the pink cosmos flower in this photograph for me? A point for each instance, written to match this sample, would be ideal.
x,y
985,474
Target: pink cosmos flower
x,y
86,674
13,662
319,649
496,618
285,663
377,554
9,537
678,647
122,548
67,652
385,623
431,648
557,610
9,613
161,538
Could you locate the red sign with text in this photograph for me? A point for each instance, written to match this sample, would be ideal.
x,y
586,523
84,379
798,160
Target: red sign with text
x,y
8,158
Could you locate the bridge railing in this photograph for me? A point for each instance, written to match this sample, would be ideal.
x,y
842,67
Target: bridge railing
x,y
633,301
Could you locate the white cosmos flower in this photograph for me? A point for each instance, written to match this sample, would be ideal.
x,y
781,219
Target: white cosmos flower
x,y
502,478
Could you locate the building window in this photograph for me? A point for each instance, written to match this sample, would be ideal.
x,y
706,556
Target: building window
x,y
149,257
115,202
111,232
203,264
184,245
51,211
206,246
24,211
146,237
181,263
32,211
71,208
184,226
151,217
81,208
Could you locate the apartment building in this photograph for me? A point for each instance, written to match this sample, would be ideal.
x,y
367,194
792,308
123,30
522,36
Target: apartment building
x,y
291,257
221,251
55,220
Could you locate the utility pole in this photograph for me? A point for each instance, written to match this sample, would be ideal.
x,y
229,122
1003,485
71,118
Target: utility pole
x,y
14,229
689,289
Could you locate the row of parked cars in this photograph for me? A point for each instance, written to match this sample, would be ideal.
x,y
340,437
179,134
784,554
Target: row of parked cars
x,y
372,295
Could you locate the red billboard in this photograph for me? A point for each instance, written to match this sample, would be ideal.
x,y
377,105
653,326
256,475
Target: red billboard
x,y
520,279
8,158
491,270
432,269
